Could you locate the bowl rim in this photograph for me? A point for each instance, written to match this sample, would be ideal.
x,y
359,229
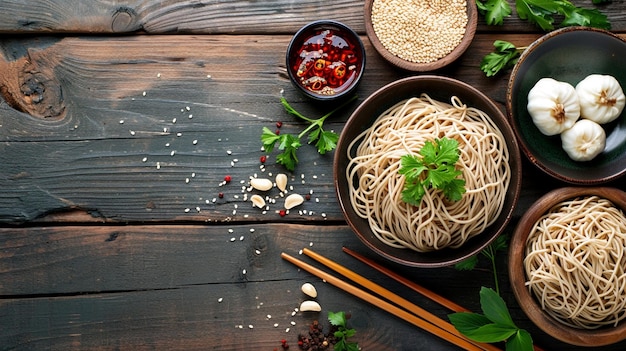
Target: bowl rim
x,y
517,276
357,41
524,146
468,37
513,191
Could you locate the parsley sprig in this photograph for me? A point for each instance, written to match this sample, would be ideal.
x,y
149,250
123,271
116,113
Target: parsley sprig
x,y
435,169
493,325
542,13
342,333
490,252
324,140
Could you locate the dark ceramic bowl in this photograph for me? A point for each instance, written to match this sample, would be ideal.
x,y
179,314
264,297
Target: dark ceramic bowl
x,y
440,88
470,31
325,60
569,55
528,303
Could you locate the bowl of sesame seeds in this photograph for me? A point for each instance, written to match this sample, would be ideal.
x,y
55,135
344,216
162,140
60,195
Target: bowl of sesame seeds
x,y
420,35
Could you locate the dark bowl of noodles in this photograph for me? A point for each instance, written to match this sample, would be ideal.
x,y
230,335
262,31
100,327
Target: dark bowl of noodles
x,y
399,119
567,265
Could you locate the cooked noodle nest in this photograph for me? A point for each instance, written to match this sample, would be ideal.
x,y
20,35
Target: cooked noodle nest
x,y
437,223
575,262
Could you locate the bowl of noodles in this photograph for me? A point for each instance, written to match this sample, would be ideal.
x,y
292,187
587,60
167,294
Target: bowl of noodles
x,y
567,265
398,120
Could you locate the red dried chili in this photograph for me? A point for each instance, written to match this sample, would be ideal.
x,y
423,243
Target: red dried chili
x,y
326,62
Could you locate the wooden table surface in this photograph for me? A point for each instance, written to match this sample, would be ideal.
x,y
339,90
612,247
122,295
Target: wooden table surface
x,y
119,121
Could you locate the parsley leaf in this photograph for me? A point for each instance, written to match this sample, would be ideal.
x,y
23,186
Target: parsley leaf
x,y
342,333
540,13
505,56
324,140
436,169
494,325
494,11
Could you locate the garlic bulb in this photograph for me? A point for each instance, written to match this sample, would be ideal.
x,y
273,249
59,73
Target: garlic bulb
x,y
584,141
601,98
553,106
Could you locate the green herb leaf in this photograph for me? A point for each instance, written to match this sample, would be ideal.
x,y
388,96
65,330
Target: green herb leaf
x,y
494,308
467,264
521,341
343,333
436,169
494,326
325,141
494,11
505,56
337,319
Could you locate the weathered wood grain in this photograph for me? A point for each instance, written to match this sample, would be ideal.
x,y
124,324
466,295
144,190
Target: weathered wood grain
x,y
183,287
210,16
139,128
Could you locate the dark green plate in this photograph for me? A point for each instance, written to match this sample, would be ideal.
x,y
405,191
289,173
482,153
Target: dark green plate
x,y
569,55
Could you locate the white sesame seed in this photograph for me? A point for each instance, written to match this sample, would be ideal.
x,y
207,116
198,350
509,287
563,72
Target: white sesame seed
x,y
220,299
144,93
194,142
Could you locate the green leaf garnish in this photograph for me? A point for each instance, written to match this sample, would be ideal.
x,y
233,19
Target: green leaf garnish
x,y
494,325
324,140
340,321
505,56
494,11
435,169
540,13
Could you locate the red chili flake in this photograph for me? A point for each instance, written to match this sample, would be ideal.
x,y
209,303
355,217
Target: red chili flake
x,y
277,132
227,179
220,195
279,124
282,213
307,197
263,159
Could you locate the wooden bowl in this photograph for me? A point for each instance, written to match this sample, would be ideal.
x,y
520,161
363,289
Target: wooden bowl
x,y
442,89
558,55
470,31
517,276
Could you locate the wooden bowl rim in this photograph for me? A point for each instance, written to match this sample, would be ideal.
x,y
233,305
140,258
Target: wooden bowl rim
x,y
468,37
517,276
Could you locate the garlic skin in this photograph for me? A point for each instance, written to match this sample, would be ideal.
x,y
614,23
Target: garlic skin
x,y
601,98
553,106
584,141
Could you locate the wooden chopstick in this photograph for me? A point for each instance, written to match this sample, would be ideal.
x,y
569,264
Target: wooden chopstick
x,y
411,285
414,286
376,301
398,300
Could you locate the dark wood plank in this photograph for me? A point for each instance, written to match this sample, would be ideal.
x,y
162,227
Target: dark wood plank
x,y
212,17
93,141
184,287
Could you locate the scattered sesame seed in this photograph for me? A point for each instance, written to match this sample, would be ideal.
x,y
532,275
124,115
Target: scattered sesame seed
x,y
121,121
194,142
144,159
275,325
144,93
220,299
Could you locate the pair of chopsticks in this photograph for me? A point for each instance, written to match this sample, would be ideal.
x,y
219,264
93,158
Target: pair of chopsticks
x,y
409,311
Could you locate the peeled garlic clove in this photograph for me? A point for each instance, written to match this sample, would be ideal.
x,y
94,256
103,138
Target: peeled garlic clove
x,y
258,201
281,182
553,106
307,306
584,141
261,184
601,98
309,290
293,200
